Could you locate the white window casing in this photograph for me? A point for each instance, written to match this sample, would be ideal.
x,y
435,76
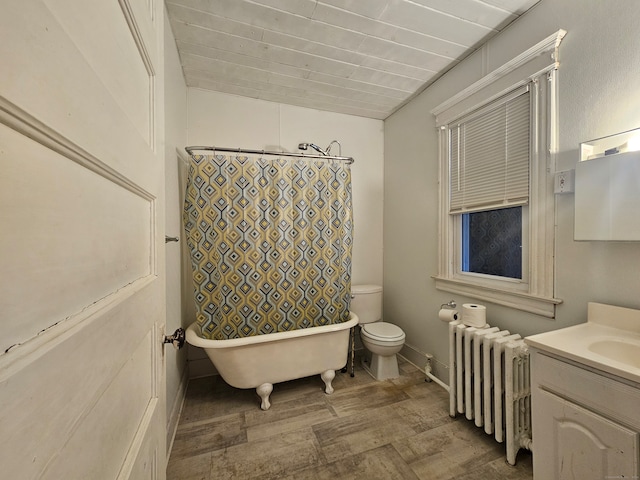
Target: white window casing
x,y
532,74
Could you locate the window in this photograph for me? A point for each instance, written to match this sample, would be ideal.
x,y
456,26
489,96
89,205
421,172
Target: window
x,y
492,242
496,201
489,183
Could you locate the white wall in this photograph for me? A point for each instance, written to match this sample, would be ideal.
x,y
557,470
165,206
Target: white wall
x,y
224,120
175,139
598,96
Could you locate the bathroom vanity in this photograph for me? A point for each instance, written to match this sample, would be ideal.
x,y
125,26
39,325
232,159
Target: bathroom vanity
x,y
585,384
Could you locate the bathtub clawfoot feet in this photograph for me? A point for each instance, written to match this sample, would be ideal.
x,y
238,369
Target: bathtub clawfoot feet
x,y
327,378
264,391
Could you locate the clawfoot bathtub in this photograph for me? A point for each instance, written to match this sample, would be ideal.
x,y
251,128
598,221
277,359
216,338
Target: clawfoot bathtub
x,y
262,360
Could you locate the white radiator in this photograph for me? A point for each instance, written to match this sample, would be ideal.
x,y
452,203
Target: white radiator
x,y
489,382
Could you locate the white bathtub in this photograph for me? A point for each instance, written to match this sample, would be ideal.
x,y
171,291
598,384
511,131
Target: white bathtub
x,y
262,360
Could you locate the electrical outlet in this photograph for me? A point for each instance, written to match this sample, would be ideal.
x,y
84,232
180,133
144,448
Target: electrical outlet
x,y
564,182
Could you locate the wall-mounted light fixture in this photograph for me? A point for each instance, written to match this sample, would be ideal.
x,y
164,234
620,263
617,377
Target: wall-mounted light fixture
x,y
613,144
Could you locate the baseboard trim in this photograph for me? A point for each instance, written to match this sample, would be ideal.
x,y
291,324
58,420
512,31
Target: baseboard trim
x,y
176,410
418,358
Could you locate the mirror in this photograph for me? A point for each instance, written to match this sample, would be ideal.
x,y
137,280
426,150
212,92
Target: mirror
x,y
607,189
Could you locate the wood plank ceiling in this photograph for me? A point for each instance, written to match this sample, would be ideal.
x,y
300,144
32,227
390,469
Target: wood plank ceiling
x,y
359,57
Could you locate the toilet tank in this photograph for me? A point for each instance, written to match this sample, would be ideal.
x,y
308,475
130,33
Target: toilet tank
x,y
366,302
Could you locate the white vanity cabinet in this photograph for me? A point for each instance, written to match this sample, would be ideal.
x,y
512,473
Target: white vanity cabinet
x,y
586,422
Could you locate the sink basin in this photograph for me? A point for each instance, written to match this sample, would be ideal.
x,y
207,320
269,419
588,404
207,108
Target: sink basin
x,y
618,350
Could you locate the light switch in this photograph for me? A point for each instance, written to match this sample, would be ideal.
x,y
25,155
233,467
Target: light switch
x,y
564,182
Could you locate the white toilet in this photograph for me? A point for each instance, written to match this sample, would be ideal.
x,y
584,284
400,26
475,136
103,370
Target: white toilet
x,y
383,340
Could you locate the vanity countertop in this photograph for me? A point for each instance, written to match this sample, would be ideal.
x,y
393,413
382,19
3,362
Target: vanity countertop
x,y
609,341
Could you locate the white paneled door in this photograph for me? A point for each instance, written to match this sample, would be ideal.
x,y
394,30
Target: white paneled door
x,y
82,304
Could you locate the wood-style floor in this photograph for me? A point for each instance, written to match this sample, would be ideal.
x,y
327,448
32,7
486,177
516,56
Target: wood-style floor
x,y
396,429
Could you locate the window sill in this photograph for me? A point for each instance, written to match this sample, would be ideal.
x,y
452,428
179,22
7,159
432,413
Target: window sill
x,y
524,301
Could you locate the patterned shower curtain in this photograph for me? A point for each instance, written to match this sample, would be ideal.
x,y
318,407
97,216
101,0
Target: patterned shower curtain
x,y
270,241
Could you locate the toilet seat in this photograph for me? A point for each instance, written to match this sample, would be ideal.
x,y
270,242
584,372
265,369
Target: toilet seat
x,y
383,332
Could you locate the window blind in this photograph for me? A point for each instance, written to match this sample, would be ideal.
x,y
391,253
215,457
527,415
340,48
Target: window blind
x,y
489,156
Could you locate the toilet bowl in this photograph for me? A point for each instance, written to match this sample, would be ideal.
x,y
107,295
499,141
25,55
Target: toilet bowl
x,y
382,340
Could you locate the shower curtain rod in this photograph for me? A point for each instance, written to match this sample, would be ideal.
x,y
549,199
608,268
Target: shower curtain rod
x,y
190,150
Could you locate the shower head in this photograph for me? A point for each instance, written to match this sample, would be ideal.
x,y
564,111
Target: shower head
x,y
304,146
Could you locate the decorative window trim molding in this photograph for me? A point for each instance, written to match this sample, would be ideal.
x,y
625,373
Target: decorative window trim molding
x,y
542,306
526,58
534,294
